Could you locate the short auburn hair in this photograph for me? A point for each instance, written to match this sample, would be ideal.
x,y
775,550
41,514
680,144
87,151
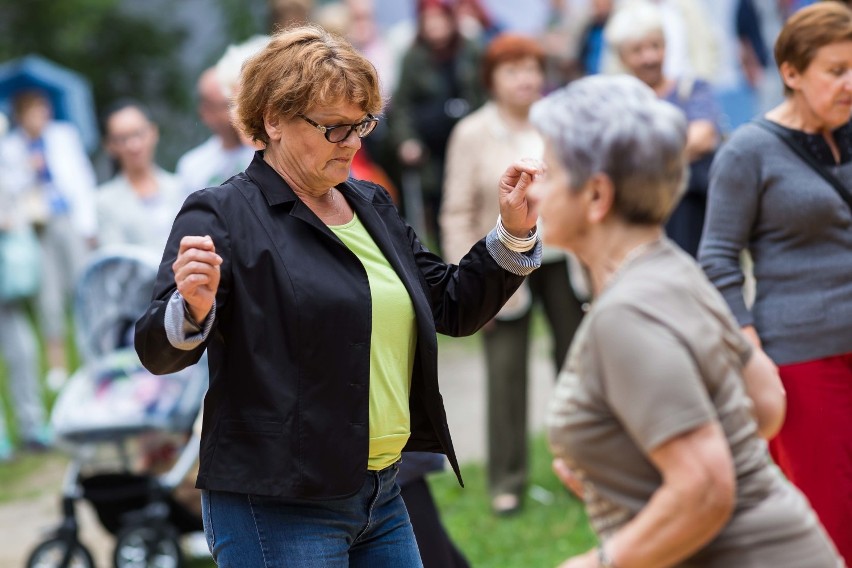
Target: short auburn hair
x,y
507,48
302,68
808,30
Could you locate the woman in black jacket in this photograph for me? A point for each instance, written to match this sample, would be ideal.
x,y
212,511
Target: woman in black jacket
x,y
319,308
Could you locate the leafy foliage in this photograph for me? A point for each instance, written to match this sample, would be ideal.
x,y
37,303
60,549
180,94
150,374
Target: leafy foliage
x,y
121,53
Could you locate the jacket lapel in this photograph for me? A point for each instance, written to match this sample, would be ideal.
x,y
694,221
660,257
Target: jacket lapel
x,y
376,219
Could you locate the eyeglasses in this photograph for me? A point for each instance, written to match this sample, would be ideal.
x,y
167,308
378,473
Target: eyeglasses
x,y
337,133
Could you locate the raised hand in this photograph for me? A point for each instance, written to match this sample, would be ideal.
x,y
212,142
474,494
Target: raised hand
x,y
518,213
197,274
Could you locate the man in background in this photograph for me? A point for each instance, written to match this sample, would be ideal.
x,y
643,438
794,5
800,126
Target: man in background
x,y
223,154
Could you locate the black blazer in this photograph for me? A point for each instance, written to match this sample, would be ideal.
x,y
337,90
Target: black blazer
x,y
286,413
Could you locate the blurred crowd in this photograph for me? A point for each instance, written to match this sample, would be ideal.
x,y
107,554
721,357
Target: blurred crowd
x,y
459,82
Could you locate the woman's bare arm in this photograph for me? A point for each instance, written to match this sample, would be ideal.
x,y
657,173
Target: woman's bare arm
x,y
691,506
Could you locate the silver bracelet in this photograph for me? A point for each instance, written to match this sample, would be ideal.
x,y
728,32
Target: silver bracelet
x,y
514,243
604,561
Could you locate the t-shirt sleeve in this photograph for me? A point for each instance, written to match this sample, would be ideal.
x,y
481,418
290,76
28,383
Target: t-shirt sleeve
x,y
649,378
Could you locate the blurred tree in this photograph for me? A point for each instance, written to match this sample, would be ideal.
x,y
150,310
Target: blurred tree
x,y
152,51
243,18
122,54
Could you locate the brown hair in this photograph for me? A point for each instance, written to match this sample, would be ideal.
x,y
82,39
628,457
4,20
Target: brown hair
x,y
301,68
507,48
808,30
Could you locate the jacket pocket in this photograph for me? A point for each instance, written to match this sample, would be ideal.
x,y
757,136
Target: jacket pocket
x,y
255,451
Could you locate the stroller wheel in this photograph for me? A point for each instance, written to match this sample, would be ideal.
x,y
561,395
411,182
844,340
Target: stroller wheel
x,y
51,554
147,546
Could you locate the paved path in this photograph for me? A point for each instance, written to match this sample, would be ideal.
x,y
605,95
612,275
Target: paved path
x,y
23,522
462,378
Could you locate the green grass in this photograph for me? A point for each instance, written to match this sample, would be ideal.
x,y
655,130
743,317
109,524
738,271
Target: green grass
x,y
547,530
15,476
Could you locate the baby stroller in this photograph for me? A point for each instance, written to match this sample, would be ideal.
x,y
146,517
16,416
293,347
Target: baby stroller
x,y
106,406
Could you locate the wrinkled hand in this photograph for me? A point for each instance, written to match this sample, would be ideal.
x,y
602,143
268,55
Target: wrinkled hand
x,y
197,274
567,477
518,213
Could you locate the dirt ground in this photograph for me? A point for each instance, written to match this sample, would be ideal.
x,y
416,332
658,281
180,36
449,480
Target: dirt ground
x,y
24,521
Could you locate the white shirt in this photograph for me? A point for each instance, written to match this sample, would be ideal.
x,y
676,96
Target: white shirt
x,y
71,171
210,164
125,218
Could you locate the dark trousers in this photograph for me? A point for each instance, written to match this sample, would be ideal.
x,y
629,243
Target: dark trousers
x,y
506,357
436,548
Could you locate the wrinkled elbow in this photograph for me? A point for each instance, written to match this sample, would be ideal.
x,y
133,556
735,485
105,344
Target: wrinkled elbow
x,y
716,497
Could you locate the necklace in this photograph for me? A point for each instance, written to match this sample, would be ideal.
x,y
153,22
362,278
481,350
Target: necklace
x,y
629,258
336,210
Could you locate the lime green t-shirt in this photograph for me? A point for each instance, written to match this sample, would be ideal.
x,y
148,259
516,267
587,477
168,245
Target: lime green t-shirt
x,y
392,344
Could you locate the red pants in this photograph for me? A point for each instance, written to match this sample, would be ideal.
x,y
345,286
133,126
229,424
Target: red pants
x,y
814,447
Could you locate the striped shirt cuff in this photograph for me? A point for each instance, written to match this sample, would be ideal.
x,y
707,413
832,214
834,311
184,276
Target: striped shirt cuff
x,y
182,332
520,263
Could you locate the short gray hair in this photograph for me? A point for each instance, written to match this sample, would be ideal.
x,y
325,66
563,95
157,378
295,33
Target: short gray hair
x,y
617,126
634,21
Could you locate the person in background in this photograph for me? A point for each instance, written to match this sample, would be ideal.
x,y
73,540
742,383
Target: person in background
x,y
692,46
635,33
46,163
766,199
228,70
439,84
136,208
437,549
286,13
366,36
660,413
19,347
590,40
573,40
320,309
481,146
138,205
223,154
475,23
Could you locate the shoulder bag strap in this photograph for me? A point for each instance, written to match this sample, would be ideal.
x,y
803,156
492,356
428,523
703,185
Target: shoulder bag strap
x,y
787,137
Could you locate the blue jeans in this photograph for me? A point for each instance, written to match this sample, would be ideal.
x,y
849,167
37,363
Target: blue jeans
x,y
370,529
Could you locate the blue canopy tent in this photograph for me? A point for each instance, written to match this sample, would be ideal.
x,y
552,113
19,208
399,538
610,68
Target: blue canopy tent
x,y
69,92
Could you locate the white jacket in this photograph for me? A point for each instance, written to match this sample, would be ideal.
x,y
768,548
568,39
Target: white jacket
x,y
69,166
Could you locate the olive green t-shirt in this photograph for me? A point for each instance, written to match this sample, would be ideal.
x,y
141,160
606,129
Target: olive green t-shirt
x,y
392,345
658,355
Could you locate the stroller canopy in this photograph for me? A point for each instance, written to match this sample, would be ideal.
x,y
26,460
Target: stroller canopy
x,y
113,292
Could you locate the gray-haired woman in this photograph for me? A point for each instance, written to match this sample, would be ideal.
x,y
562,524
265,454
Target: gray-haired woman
x,y
636,33
658,415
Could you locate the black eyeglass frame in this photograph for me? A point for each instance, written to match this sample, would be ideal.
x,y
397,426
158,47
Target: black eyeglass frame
x,y
327,130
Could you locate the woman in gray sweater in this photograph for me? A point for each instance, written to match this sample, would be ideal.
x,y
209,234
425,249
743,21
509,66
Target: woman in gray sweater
x,y
765,199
